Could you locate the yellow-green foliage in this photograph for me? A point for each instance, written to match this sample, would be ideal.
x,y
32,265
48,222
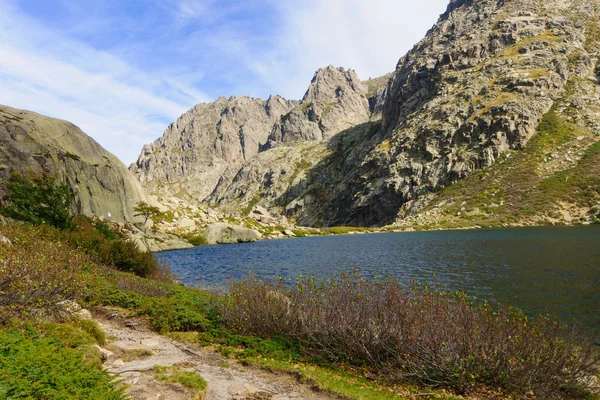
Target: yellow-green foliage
x,y
195,239
384,146
187,379
331,381
500,99
513,51
304,106
136,354
344,230
592,36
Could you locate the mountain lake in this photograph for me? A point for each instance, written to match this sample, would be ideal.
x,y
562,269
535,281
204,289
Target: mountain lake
x,y
548,270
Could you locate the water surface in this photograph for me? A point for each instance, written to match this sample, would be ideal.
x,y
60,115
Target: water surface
x,y
552,270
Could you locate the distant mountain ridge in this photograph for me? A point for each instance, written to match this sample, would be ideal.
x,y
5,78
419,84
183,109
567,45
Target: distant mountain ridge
x,y
474,91
211,140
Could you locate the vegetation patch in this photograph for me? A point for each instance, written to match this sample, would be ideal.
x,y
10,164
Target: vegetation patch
x,y
37,198
332,333
49,362
195,239
518,186
415,334
35,274
187,379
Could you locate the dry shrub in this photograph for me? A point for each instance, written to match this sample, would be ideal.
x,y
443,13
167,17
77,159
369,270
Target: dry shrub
x,y
159,285
36,275
416,334
260,308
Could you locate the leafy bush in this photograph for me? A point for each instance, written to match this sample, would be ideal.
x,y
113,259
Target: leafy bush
x,y
35,274
37,198
38,364
84,223
121,253
413,333
170,308
143,209
195,239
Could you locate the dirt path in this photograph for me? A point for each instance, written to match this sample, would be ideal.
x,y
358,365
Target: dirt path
x,y
132,352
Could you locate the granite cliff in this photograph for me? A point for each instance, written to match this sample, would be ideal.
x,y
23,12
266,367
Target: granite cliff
x,y
102,183
501,95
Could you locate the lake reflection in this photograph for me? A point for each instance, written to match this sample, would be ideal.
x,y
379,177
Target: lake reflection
x,y
543,270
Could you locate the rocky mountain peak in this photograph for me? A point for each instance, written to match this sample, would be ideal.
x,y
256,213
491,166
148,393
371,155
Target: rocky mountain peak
x,y
332,83
211,139
475,89
336,99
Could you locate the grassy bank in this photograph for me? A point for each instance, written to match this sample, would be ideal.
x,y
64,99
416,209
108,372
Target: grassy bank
x,y
359,339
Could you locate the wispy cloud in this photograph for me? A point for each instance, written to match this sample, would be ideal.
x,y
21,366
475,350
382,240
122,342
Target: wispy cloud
x,y
368,36
123,71
118,104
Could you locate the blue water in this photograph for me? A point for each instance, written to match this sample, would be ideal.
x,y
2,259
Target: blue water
x,y
552,270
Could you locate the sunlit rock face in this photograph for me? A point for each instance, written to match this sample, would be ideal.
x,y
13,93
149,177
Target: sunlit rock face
x,y
355,152
104,187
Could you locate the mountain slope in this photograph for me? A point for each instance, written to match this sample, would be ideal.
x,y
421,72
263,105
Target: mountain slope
x,y
493,79
102,183
199,156
476,87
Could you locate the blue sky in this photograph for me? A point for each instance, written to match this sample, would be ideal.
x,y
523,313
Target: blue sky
x,y
123,70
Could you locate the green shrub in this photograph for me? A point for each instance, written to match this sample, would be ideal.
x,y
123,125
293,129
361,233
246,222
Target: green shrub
x,y
173,309
190,380
37,198
38,364
84,223
195,239
92,328
168,314
121,253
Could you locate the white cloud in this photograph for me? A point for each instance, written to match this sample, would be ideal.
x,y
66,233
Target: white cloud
x,y
368,36
188,48
187,9
119,105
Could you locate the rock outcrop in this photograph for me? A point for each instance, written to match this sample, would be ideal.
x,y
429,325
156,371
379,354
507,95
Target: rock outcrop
x,y
222,233
335,100
103,185
197,149
205,148
476,89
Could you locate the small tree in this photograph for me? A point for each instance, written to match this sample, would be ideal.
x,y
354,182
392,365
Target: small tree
x,y
147,211
36,197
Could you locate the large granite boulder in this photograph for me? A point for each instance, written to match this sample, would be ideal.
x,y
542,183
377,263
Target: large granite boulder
x,y
223,233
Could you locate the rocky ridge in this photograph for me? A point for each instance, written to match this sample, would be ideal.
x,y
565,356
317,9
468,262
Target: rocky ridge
x,y
477,89
199,156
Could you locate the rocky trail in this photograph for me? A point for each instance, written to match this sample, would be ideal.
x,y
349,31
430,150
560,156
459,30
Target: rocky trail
x,y
133,353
